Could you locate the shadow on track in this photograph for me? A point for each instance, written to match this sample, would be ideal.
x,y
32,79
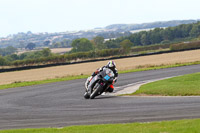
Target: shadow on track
x,y
104,97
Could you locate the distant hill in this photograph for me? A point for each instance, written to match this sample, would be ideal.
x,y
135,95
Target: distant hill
x,y
111,31
130,27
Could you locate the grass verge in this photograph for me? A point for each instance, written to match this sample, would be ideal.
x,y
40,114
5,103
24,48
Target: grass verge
x,y
178,126
29,83
187,85
139,68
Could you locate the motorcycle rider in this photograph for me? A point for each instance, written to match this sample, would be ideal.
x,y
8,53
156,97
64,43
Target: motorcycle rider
x,y
111,65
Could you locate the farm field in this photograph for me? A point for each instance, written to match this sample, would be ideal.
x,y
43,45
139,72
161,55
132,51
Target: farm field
x,y
88,68
53,50
60,50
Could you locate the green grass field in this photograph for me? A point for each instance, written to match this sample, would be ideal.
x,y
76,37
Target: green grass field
x,y
187,85
178,126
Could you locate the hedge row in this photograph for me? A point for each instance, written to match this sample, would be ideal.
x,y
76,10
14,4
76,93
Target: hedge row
x,y
151,47
185,45
67,57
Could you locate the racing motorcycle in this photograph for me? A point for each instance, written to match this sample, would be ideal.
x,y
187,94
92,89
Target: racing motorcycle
x,y
99,83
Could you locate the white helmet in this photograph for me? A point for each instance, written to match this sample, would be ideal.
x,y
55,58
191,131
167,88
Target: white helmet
x,y
111,64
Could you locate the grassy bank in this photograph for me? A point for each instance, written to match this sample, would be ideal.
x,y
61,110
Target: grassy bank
x,y
139,68
178,126
187,85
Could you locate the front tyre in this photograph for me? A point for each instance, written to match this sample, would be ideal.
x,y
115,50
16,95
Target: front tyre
x,y
86,95
96,91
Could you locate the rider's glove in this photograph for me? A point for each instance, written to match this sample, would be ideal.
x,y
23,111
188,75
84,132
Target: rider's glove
x,y
95,73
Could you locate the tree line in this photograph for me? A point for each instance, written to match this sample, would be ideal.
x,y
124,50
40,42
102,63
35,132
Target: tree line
x,y
160,35
163,35
143,38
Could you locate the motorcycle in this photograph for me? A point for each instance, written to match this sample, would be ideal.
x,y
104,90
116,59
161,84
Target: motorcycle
x,y
99,83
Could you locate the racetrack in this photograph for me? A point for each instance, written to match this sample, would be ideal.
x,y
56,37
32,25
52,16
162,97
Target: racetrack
x,y
62,103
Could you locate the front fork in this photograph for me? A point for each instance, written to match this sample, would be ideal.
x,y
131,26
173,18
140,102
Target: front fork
x,y
105,86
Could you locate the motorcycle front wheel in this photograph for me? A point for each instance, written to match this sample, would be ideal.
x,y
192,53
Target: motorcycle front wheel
x,y
97,90
86,95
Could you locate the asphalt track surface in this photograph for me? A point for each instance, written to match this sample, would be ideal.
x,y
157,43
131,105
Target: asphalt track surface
x,y
62,103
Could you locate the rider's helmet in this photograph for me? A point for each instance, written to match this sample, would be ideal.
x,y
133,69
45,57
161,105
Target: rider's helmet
x,y
111,65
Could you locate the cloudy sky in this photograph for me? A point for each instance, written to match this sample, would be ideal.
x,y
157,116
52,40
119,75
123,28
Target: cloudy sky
x,y
69,15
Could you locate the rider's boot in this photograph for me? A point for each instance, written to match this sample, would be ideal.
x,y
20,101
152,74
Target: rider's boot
x,y
110,89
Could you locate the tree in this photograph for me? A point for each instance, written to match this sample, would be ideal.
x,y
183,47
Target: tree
x,y
7,51
10,50
98,42
136,38
14,57
126,45
22,56
2,61
31,46
81,45
195,31
46,52
56,45
112,44
66,43
155,36
145,39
